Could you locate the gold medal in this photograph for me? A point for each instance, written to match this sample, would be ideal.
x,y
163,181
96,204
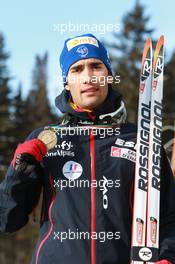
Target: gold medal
x,y
49,138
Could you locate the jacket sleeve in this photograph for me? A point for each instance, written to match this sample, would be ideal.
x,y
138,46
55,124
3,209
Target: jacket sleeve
x,y
19,194
167,212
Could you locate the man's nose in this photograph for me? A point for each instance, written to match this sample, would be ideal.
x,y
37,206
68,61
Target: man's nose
x,y
87,75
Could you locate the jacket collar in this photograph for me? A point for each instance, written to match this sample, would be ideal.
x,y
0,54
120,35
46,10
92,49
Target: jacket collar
x,y
112,109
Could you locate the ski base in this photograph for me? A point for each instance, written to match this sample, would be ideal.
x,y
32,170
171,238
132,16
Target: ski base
x,y
144,254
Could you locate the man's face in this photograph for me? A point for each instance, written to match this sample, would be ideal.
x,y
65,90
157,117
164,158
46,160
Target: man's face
x,y
87,83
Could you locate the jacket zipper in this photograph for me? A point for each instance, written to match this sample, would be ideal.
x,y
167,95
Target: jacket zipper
x,y
93,197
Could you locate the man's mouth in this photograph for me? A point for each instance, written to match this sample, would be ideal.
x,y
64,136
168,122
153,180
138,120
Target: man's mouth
x,y
90,90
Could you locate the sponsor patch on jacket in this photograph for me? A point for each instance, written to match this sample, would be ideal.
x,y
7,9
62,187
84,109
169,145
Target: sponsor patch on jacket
x,y
124,153
62,149
123,143
72,170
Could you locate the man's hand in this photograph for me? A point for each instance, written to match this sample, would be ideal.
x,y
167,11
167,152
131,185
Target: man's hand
x,y
34,147
163,261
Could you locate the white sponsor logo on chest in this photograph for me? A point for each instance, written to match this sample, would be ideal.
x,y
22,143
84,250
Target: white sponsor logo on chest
x,y
124,143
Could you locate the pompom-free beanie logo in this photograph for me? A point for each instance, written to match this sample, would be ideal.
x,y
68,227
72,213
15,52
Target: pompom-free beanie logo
x,y
82,51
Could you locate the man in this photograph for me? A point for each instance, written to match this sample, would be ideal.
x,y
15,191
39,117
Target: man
x,y
87,185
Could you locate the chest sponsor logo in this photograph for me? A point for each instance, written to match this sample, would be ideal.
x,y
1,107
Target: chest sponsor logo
x,y
123,143
72,170
63,149
124,153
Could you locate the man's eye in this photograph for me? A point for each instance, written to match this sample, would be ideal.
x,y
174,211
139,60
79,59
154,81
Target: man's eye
x,y
96,66
76,70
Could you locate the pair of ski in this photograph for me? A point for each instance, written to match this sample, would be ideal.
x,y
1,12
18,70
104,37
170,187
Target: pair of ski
x,y
145,226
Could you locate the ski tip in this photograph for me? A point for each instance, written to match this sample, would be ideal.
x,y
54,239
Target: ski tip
x,y
159,51
147,46
160,44
161,39
148,42
147,52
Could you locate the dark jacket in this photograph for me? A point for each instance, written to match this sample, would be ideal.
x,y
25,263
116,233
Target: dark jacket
x,y
87,186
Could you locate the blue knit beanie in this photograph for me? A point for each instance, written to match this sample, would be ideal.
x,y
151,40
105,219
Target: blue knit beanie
x,y
82,47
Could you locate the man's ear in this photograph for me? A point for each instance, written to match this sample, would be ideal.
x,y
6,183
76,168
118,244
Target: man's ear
x,y
67,87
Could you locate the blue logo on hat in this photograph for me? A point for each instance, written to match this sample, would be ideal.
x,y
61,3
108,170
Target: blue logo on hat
x,y
82,51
